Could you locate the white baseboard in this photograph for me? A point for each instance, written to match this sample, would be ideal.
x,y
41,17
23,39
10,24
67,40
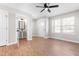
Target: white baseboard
x,y
65,39
61,39
40,36
2,44
11,43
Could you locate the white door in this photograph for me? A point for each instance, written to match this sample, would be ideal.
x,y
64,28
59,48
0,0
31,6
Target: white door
x,y
3,29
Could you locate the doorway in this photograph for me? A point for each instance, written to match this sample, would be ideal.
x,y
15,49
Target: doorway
x,y
21,27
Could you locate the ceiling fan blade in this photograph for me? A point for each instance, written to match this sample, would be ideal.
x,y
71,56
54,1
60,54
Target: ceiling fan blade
x,y
49,10
54,6
45,5
40,6
42,10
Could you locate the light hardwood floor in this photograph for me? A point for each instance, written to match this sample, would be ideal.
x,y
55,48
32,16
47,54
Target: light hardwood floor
x,y
41,47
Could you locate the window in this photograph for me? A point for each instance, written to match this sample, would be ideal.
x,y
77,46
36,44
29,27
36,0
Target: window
x,y
68,25
57,25
64,25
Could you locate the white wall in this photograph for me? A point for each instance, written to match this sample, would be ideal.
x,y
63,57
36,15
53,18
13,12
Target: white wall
x,y
12,27
34,27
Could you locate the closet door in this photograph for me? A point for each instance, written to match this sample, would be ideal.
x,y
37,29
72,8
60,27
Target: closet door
x,y
1,34
3,30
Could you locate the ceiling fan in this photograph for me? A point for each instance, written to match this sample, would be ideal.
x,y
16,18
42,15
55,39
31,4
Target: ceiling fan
x,y
46,6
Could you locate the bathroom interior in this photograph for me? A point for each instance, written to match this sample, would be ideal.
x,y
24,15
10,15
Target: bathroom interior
x,y
21,26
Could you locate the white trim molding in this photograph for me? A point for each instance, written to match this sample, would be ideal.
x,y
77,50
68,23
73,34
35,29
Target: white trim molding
x,y
65,39
11,43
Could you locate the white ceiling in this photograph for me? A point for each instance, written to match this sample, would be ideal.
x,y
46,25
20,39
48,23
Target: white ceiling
x,y
35,12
